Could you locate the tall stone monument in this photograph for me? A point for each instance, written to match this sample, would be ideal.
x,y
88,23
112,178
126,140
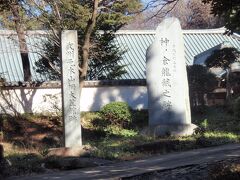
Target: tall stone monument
x,y
71,90
168,96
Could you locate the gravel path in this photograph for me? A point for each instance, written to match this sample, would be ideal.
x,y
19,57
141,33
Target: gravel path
x,y
189,172
215,170
180,163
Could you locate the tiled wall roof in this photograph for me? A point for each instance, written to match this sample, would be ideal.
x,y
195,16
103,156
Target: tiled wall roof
x,y
134,42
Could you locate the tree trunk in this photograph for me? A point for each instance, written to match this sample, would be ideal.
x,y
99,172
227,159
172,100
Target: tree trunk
x,y
1,153
201,99
228,87
22,41
86,43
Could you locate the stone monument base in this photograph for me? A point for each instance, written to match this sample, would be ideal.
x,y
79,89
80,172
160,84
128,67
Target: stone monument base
x,y
71,152
170,130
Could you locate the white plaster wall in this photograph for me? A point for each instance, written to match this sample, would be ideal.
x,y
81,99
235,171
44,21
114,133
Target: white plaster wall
x,y
49,100
30,100
92,99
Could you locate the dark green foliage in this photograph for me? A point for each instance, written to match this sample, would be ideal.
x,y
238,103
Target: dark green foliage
x,y
234,80
203,141
104,58
49,64
200,82
223,58
218,119
202,127
97,126
117,113
117,14
140,118
229,10
26,10
236,107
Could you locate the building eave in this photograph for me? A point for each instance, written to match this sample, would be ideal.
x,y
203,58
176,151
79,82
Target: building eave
x,y
192,31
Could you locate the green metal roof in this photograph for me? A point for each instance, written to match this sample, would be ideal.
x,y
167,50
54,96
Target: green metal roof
x,y
195,43
10,59
134,42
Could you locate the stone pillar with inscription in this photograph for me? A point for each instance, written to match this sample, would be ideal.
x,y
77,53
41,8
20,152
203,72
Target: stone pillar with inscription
x,y
71,89
168,96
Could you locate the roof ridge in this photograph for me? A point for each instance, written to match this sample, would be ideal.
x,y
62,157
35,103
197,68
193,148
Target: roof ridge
x,y
185,31
236,35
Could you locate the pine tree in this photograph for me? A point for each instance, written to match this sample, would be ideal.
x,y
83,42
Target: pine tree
x,y
13,8
100,54
229,10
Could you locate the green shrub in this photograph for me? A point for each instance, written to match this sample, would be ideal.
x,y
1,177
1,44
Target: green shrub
x,y
140,118
118,131
236,107
117,113
202,127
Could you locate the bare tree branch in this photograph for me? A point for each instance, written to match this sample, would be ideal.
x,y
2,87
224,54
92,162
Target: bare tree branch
x,y
49,62
161,13
86,43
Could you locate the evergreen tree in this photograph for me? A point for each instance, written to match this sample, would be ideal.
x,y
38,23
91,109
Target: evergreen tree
x,y
85,16
224,58
13,11
200,81
229,10
103,55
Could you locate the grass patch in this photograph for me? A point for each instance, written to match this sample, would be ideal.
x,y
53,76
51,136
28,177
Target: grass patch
x,y
118,148
217,127
214,138
217,119
26,139
24,164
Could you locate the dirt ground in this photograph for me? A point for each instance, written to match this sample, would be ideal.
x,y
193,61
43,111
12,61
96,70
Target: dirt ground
x,y
36,133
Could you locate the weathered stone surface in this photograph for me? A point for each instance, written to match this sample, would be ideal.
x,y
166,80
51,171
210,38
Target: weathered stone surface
x,y
168,96
224,169
196,172
71,89
170,130
71,152
68,163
